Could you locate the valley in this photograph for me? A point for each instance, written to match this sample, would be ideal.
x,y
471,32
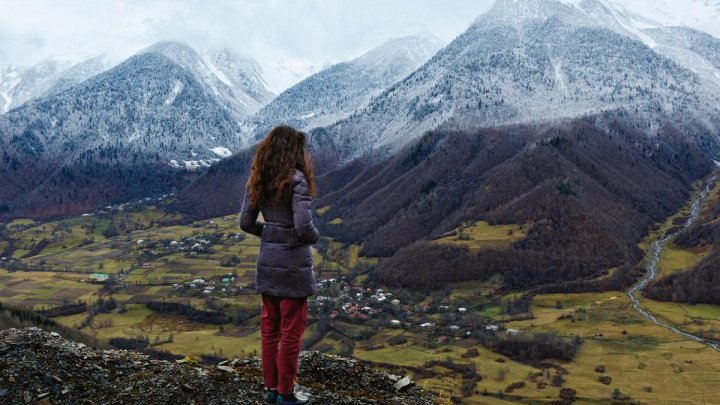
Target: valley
x,y
526,213
142,253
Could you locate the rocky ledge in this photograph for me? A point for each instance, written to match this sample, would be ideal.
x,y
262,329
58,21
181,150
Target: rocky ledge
x,y
39,367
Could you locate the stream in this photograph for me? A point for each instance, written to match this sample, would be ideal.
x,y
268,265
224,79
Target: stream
x,y
654,253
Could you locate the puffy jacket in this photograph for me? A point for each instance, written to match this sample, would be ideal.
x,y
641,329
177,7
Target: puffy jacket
x,y
285,263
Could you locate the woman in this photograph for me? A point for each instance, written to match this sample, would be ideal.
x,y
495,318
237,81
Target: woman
x,y
281,186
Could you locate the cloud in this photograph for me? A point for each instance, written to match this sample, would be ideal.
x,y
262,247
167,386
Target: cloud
x,y
317,31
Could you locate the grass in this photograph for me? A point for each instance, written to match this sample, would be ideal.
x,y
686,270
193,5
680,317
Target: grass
x,y
482,235
635,352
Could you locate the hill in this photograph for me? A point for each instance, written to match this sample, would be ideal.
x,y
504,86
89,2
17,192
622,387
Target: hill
x,y
588,190
42,366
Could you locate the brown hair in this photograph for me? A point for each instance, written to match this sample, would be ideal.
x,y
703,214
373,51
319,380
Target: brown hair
x,y
283,150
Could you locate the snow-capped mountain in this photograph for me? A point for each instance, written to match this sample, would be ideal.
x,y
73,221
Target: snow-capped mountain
x,y
338,91
19,84
700,14
148,103
235,80
281,73
530,61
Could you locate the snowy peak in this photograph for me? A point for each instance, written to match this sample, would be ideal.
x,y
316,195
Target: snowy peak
x,y
234,79
520,12
342,89
410,50
20,84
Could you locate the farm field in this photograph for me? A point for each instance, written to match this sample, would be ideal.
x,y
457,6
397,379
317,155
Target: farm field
x,y
151,256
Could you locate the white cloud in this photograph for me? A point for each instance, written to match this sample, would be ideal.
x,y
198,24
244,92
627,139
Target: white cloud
x,y
315,31
304,32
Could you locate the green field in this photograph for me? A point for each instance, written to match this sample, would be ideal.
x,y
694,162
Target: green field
x,y
645,362
482,235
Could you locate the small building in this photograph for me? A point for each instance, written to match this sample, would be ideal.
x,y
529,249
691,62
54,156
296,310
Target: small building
x,y
147,266
395,302
395,323
426,325
462,310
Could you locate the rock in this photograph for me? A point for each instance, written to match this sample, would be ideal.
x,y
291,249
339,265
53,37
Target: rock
x,y
32,362
226,369
403,383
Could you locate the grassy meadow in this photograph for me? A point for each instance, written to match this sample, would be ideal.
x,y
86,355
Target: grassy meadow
x,y
54,262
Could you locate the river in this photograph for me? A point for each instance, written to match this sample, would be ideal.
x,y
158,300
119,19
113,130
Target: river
x,y
654,255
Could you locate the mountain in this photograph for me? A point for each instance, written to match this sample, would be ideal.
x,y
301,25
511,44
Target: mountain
x,y
527,61
282,73
588,190
147,102
19,84
124,376
119,135
703,14
698,284
696,50
338,91
235,80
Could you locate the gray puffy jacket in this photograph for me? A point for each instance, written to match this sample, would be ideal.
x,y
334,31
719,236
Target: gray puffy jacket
x,y
285,263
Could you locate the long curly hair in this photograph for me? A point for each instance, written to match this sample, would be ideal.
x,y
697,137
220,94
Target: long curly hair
x,y
276,157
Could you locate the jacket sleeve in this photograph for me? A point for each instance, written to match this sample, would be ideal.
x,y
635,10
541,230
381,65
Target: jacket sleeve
x,y
248,218
302,214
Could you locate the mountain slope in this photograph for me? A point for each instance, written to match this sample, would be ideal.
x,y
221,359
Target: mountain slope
x,y
148,102
589,190
19,85
234,80
538,60
336,92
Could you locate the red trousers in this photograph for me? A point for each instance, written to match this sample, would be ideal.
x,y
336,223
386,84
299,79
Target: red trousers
x,y
282,323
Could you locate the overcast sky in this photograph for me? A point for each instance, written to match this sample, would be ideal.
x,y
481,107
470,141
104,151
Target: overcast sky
x,y
316,32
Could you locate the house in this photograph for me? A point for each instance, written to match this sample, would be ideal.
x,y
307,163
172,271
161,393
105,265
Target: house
x,y
462,310
395,302
426,325
395,323
147,266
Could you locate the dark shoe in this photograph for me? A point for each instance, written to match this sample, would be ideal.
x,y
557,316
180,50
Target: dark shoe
x,y
291,399
271,396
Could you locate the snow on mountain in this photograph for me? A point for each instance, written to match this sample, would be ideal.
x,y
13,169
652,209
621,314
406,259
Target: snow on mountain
x,y
701,14
338,91
696,50
20,84
529,61
148,103
234,79
282,73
